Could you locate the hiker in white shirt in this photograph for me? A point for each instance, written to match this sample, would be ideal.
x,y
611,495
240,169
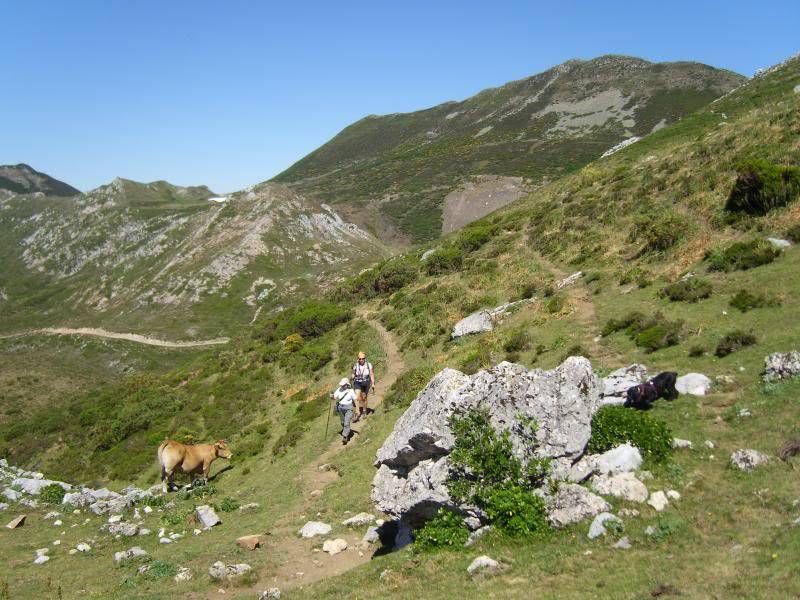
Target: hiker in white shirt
x,y
345,402
363,382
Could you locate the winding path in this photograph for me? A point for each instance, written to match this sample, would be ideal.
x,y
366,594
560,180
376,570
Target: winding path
x,y
131,337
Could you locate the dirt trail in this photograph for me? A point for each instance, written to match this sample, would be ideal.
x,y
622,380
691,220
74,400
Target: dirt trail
x,y
131,337
300,565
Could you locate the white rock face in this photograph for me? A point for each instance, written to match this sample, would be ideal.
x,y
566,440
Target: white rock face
x,y
747,459
334,546
658,500
617,383
206,515
314,528
622,485
477,322
413,462
695,384
597,528
34,486
572,504
483,563
781,365
621,459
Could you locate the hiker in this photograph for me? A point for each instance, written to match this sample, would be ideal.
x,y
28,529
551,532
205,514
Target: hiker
x,y
363,382
345,399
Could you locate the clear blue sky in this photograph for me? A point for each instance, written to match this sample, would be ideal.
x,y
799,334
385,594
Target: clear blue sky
x,y
231,93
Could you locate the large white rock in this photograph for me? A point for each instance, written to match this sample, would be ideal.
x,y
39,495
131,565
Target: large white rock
x,y
615,385
334,546
573,503
779,243
477,322
413,463
621,459
124,529
314,528
206,515
747,459
34,486
658,500
597,528
622,485
781,365
695,384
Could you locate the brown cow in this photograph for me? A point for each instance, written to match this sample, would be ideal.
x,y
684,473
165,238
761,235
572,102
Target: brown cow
x,y
191,459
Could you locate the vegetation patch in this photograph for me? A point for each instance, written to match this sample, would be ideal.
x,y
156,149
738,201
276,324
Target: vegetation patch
x,y
687,290
762,186
386,278
615,425
52,494
445,531
444,260
651,333
745,300
741,256
734,341
408,385
659,232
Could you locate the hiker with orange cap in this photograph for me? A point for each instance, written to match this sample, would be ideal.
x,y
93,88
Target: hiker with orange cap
x,y
363,381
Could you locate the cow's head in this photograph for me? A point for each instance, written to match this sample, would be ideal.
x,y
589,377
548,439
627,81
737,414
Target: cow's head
x,y
221,449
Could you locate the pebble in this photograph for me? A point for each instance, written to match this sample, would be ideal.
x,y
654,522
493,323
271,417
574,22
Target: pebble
x,y
164,540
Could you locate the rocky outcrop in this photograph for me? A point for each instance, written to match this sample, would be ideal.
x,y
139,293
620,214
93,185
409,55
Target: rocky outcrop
x,y
413,462
781,365
616,384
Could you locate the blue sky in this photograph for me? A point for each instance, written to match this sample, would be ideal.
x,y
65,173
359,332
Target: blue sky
x,y
231,93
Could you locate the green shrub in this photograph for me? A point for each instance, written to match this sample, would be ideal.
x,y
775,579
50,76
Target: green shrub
x,y
761,186
575,350
615,425
474,236
153,501
479,357
741,256
293,343
486,473
745,300
52,494
659,233
445,531
687,290
444,260
734,341
793,233
175,517
160,569
651,333
517,340
385,278
555,303
697,351
228,504
408,385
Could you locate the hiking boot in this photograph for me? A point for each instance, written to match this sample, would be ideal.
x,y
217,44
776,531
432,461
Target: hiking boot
x,y
344,441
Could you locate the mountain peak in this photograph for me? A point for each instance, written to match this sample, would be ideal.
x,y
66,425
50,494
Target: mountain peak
x,y
24,179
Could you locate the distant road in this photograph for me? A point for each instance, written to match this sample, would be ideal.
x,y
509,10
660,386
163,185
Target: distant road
x,y
131,337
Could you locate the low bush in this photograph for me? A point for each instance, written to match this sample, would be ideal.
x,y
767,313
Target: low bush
x,y
761,186
687,290
474,236
575,350
52,494
408,385
793,233
517,340
479,357
734,341
651,333
228,504
160,569
659,232
745,300
555,303
444,260
697,351
615,425
445,531
741,256
385,278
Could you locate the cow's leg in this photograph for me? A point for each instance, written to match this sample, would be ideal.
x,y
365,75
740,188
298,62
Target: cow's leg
x,y
166,479
206,471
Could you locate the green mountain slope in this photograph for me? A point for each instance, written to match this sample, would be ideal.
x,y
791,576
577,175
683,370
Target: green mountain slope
x,y
398,169
23,179
160,258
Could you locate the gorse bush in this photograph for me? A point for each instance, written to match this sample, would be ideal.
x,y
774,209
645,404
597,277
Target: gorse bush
x,y
651,333
615,425
486,473
445,531
734,341
687,290
741,256
52,494
474,236
761,186
444,260
745,300
660,232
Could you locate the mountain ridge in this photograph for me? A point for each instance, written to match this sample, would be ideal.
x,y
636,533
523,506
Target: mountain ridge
x,y
24,179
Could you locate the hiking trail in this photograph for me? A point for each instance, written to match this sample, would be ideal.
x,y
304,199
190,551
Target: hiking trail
x,y
130,337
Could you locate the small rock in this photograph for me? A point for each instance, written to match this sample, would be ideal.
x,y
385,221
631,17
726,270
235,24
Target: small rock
x,y
678,443
797,89
251,542
56,542
164,540
573,503
130,553
115,519
58,523
371,536
41,559
314,528
597,528
270,594
52,515
623,544
744,412
624,485
695,384
175,536
144,531
183,574
42,551
334,546
476,535
645,475
477,322
72,551
250,506
147,509
621,459
220,570
325,467
709,444
207,517
3,505
17,522
779,243
650,530
472,523
658,500
83,547
483,563
673,495
197,531
359,520
628,512
747,459
315,493
124,529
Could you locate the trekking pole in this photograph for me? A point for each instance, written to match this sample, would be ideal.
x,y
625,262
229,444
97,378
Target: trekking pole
x,y
328,420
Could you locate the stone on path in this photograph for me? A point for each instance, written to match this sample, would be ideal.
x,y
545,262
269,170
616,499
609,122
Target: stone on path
x,y
314,528
251,542
658,500
747,459
483,564
334,546
597,528
695,384
17,522
207,517
624,485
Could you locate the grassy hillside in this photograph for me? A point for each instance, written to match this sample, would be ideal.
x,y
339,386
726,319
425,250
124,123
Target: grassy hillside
x,y
401,166
635,225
